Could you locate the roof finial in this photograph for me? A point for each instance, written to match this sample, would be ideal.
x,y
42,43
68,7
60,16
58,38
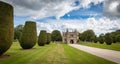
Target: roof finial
x,y
67,30
75,30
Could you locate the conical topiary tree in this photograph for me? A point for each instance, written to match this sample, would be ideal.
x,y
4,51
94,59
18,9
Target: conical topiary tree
x,y
29,35
6,27
48,38
42,39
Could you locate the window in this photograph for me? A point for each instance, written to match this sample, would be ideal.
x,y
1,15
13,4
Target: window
x,y
71,35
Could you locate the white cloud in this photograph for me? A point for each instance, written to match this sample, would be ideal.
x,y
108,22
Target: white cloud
x,y
37,9
85,3
101,25
111,8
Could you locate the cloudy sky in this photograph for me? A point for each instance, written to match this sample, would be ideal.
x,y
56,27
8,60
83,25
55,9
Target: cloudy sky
x,y
99,15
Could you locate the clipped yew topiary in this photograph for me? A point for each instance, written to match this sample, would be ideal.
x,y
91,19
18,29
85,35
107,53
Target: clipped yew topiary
x,y
29,35
48,38
42,39
6,26
56,35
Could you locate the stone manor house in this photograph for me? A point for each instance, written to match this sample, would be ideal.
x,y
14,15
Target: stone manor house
x,y
70,37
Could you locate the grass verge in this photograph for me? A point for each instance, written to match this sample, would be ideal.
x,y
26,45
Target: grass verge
x,y
114,46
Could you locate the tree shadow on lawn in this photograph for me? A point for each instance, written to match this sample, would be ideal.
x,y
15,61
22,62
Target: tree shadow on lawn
x,y
4,56
28,49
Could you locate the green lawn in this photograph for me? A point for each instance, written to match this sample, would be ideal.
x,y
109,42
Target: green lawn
x,y
50,54
114,46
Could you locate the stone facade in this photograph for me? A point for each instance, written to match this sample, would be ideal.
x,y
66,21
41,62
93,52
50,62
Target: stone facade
x,y
70,37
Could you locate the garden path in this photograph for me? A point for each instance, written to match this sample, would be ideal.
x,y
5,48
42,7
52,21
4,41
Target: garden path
x,y
104,53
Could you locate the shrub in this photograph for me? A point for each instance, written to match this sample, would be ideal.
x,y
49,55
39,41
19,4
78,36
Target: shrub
x,y
48,38
17,32
108,39
42,39
6,27
29,35
118,38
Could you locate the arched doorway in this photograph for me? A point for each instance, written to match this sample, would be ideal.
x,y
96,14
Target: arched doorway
x,y
71,42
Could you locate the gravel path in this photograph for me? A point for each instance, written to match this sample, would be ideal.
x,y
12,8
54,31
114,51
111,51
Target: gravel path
x,y
104,53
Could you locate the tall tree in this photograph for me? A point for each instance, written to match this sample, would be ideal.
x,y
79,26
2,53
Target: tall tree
x,y
88,35
56,35
95,39
80,36
18,31
108,39
101,38
116,36
19,27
